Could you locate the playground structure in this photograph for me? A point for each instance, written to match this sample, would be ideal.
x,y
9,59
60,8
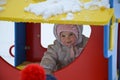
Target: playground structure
x,y
94,63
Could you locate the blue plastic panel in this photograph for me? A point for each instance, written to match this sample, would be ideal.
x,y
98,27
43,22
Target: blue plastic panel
x,y
20,41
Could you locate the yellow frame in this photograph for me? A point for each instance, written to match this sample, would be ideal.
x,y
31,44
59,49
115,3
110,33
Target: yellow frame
x,y
16,13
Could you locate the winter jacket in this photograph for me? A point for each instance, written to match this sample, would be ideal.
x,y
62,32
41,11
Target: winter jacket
x,y
57,55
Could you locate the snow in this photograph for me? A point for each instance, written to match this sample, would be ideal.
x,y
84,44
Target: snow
x,y
2,2
50,8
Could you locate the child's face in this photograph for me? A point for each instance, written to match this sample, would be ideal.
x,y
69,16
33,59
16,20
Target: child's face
x,y
68,38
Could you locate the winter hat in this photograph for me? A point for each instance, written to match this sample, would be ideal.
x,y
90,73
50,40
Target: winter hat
x,y
67,27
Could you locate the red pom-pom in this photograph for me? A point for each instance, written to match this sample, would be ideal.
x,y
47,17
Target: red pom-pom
x,y
33,72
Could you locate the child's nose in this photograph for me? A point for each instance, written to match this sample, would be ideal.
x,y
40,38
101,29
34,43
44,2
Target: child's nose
x,y
68,38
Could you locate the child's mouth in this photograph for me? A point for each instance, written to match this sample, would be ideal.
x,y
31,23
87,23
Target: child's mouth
x,y
69,42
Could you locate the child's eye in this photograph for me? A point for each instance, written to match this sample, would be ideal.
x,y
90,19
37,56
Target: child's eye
x,y
70,34
62,35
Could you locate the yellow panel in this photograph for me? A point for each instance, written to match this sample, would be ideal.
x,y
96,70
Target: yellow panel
x,y
85,0
119,20
16,13
24,64
111,43
20,67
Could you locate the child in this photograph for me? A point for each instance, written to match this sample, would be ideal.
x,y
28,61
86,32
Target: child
x,y
68,45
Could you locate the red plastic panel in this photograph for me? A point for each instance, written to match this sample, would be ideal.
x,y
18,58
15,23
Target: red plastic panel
x,y
7,71
33,38
91,64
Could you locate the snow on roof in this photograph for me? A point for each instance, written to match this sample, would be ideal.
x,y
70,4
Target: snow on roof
x,y
55,7
2,2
